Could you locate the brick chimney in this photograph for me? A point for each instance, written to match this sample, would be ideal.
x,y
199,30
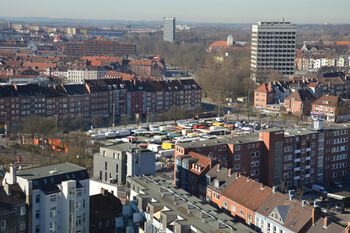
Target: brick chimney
x,y
313,216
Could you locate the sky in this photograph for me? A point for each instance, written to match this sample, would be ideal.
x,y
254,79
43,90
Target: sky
x,y
220,11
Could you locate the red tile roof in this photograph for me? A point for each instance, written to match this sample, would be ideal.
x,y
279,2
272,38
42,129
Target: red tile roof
x,y
247,192
328,100
219,43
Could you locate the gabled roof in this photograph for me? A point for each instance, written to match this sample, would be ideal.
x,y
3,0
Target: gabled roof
x,y
282,211
247,192
295,218
328,100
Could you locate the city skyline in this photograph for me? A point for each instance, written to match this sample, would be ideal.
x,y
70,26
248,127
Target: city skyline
x,y
207,11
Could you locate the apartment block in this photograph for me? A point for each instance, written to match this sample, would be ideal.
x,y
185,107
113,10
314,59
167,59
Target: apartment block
x,y
285,157
105,98
115,163
273,48
98,47
13,210
57,197
169,29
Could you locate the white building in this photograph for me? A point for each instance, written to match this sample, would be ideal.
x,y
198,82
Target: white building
x,y
280,214
273,48
71,31
229,40
169,27
57,196
79,76
140,162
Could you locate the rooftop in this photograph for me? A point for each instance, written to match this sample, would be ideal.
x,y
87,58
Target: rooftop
x,y
47,171
203,217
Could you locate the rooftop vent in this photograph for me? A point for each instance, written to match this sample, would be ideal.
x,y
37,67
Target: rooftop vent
x,y
55,171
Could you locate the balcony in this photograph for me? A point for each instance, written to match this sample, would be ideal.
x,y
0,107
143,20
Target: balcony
x,y
307,175
297,160
307,167
308,158
308,149
297,151
296,177
296,169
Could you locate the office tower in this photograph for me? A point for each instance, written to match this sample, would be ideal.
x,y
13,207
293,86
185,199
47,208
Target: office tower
x,y
273,48
169,29
57,197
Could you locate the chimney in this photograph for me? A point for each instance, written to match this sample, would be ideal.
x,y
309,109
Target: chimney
x,y
313,216
229,172
13,177
325,223
303,203
218,168
274,189
104,191
291,197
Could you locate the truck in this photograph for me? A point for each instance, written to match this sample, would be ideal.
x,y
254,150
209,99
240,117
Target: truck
x,y
319,188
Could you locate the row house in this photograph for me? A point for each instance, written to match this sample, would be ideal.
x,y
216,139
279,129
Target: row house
x,y
193,167
265,209
332,108
103,98
299,102
259,206
289,158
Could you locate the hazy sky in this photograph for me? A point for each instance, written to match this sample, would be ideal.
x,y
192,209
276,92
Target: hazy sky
x,y
230,11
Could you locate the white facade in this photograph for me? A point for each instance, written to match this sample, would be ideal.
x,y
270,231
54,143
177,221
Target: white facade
x,y
140,163
79,76
268,225
273,48
57,202
169,25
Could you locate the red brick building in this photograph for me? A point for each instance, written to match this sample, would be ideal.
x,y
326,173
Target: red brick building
x,y
333,108
299,102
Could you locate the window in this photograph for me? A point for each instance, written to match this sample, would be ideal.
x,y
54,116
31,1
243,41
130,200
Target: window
x,y
37,198
53,212
37,214
37,229
241,212
234,208
53,198
3,225
237,157
105,165
52,227
237,147
79,192
23,211
22,226
78,221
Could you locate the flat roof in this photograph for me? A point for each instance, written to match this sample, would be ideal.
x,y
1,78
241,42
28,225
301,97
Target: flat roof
x,y
152,188
47,171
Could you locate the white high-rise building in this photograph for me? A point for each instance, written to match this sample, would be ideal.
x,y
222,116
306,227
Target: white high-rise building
x,y
273,48
57,197
229,40
169,27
